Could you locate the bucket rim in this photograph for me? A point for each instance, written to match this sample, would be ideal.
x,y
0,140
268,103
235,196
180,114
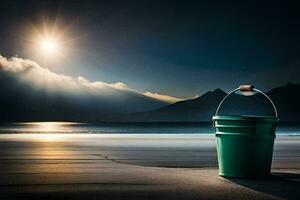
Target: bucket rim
x,y
246,118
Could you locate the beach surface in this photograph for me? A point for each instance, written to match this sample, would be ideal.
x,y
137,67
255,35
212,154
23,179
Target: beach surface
x,y
135,166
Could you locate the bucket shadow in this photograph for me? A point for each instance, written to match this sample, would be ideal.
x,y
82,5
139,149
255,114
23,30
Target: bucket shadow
x,y
284,185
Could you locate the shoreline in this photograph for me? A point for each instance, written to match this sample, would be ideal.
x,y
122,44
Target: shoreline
x,y
124,135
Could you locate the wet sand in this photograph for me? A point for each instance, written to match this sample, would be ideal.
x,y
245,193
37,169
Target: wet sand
x,y
117,166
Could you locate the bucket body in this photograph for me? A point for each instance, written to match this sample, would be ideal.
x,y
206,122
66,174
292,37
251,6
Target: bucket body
x,y
245,145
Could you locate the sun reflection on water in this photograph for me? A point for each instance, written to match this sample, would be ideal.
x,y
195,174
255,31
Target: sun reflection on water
x,y
47,127
47,131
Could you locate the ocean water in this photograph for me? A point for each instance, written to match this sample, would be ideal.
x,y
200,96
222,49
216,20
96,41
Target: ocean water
x,y
123,128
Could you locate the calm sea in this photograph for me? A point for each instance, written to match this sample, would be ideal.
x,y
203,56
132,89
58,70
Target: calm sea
x,y
123,128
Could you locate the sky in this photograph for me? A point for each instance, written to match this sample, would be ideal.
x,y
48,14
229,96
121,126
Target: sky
x,y
162,49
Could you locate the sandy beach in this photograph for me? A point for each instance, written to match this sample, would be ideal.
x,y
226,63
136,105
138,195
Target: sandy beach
x,y
123,166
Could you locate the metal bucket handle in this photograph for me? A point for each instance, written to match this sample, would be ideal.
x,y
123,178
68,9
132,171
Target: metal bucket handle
x,y
247,88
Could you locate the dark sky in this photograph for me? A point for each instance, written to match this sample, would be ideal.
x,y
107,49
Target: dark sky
x,y
179,48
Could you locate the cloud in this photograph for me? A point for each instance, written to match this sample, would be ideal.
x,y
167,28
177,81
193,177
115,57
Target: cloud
x,y
30,72
162,97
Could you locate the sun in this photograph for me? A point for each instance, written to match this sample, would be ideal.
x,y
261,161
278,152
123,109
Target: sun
x,y
50,42
49,45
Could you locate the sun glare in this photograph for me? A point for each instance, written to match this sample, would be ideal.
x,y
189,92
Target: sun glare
x,y
49,41
49,45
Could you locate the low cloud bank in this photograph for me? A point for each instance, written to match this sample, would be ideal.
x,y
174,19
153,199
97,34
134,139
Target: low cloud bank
x,y
30,72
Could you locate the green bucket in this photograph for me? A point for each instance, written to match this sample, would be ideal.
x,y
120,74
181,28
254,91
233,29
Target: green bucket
x,y
245,143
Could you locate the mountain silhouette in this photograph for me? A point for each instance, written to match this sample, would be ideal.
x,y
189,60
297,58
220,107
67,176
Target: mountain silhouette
x,y
23,102
286,99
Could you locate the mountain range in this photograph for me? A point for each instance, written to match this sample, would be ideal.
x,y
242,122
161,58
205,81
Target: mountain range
x,y
286,99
